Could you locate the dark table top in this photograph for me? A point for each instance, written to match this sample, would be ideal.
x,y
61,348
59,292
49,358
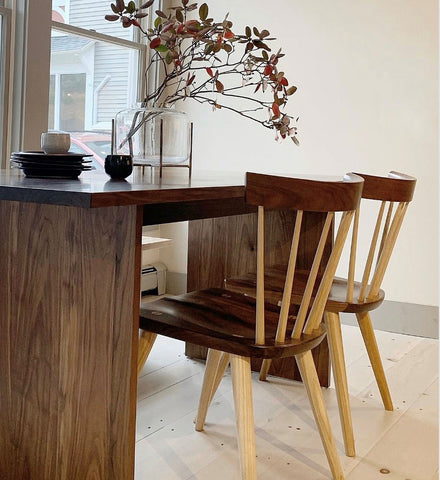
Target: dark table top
x,y
95,189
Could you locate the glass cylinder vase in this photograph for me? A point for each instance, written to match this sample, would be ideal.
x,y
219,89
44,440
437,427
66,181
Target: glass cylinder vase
x,y
149,134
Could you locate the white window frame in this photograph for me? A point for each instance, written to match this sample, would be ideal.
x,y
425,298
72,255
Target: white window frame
x,y
7,59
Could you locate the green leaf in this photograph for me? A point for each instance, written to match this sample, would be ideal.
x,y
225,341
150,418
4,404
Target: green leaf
x,y
260,44
131,7
248,31
168,58
179,16
203,11
256,32
157,22
265,55
227,47
161,48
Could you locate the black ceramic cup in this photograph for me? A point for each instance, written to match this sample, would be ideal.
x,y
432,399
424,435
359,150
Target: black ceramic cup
x,y
118,166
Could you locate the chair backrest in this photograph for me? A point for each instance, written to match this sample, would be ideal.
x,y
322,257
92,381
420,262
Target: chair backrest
x,y
300,194
392,195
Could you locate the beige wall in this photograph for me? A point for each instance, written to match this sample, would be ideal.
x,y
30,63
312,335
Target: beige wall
x,y
367,78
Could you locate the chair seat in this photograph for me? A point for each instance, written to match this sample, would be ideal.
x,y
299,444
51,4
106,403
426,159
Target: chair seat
x,y
274,278
223,320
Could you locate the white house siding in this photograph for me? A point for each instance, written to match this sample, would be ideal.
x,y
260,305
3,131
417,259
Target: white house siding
x,y
109,60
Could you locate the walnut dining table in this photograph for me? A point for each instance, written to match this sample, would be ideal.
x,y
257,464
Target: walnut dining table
x,y
70,261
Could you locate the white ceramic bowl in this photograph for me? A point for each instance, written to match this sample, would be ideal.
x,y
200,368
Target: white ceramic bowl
x,y
55,142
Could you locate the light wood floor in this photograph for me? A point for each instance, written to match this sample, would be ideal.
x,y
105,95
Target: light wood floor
x,y
403,444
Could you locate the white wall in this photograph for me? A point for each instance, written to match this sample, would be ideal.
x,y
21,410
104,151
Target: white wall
x,y
367,78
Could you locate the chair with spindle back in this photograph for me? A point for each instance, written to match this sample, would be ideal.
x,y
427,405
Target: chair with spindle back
x,y
236,327
391,195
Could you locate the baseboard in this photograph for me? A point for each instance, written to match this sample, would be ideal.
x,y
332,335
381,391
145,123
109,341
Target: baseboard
x,y
400,317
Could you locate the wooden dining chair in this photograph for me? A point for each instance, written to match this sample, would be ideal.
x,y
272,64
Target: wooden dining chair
x,y
236,327
391,196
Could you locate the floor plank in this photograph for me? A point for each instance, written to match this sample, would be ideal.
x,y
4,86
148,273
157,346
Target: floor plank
x,y
408,449
403,442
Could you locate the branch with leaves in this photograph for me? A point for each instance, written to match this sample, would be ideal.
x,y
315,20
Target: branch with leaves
x,y
205,60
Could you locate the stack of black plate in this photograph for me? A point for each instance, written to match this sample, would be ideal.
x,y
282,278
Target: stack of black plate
x,y
50,165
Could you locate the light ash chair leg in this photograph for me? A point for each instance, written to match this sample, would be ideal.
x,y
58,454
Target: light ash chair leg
x,y
334,335
146,342
311,382
221,369
264,370
367,331
242,387
209,377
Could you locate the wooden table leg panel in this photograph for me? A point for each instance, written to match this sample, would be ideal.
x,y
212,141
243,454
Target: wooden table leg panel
x,y
67,381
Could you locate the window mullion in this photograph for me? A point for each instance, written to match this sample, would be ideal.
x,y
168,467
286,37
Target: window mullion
x,y
83,32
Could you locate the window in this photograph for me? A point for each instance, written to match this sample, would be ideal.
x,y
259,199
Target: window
x,y
93,73
73,70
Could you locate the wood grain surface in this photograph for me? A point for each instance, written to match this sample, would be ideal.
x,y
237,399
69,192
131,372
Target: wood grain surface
x,y
67,353
94,189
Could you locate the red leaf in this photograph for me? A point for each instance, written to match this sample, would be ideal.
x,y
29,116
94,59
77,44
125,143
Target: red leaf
x,y
267,70
275,109
209,70
283,81
135,22
120,5
126,22
229,35
155,43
